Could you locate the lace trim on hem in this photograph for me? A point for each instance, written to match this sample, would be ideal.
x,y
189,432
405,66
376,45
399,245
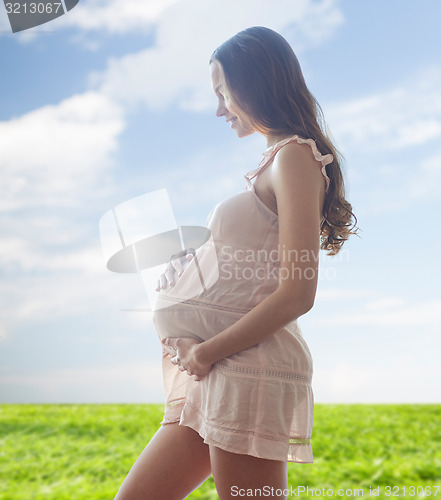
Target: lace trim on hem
x,y
201,303
282,439
263,372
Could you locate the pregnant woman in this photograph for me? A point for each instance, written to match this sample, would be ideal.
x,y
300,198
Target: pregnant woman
x,y
237,371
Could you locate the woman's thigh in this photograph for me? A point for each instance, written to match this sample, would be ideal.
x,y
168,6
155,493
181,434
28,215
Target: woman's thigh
x,y
238,476
174,463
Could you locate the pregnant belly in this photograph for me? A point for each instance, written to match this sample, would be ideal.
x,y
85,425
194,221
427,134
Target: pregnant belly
x,y
194,321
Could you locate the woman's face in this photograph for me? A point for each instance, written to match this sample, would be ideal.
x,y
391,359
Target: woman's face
x,y
226,107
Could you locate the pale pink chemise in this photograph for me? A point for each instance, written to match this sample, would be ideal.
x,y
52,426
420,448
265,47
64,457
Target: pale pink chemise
x,y
259,401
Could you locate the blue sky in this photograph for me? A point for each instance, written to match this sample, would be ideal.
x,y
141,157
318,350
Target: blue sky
x,y
113,100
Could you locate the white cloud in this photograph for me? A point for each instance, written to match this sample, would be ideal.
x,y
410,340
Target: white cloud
x,y
343,294
175,69
403,186
403,125
28,255
54,157
387,192
404,116
116,16
5,27
318,19
48,156
67,294
426,183
319,22
388,312
385,303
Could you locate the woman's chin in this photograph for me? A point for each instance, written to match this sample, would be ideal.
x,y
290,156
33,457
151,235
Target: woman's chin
x,y
244,133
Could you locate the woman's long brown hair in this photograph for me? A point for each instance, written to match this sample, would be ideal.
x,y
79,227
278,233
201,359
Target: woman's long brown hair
x,y
264,79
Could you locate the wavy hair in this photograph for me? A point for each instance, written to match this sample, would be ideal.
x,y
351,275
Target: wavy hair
x,y
264,79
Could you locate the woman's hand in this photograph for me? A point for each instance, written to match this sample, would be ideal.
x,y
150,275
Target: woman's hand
x,y
187,356
174,266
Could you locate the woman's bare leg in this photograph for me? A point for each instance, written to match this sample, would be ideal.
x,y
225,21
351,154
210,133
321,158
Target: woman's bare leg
x,y
233,472
174,463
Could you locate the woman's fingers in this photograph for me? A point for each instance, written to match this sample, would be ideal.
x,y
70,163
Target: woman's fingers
x,y
191,252
174,266
176,361
177,265
184,357
166,278
161,283
169,275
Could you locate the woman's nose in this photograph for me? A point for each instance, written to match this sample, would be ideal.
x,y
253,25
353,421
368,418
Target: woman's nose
x,y
221,109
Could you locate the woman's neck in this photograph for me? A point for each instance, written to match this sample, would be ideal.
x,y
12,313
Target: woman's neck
x,y
271,140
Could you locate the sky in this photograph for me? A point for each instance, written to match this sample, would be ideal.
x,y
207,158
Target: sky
x,y
113,100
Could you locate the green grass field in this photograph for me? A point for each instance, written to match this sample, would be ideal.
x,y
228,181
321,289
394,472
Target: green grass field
x,y
83,452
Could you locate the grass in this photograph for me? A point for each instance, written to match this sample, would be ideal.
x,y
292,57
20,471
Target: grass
x,y
83,452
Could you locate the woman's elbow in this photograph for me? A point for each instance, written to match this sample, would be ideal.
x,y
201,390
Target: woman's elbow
x,y
297,302
309,305
306,304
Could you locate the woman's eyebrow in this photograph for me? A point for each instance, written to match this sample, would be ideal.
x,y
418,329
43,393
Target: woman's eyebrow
x,y
218,87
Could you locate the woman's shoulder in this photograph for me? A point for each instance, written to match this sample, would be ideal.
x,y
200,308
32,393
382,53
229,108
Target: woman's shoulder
x,y
297,158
